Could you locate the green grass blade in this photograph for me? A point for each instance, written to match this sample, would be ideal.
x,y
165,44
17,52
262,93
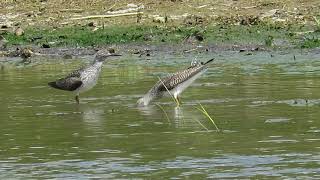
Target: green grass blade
x,y
173,98
204,111
201,124
164,112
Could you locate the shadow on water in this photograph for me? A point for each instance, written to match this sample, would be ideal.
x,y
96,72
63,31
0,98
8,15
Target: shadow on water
x,y
267,108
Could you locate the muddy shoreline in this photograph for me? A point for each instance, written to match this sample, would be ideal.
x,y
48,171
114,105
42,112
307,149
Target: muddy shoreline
x,y
144,50
56,29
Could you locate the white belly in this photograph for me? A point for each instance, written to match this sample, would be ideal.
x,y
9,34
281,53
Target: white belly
x,y
89,80
179,89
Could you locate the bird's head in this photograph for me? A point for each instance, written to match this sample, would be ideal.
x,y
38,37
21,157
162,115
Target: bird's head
x,y
104,54
145,100
142,102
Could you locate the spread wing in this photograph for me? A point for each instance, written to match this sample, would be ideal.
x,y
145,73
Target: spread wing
x,y
69,83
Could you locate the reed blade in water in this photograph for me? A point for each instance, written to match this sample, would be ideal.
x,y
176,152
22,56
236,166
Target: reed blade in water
x,y
165,113
204,111
174,99
201,124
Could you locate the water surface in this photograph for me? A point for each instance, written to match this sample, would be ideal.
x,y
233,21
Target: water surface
x,y
266,107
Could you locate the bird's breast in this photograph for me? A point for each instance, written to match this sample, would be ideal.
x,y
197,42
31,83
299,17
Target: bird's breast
x,y
89,79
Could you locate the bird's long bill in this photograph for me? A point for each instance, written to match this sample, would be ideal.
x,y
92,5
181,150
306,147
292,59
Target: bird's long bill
x,y
111,56
209,61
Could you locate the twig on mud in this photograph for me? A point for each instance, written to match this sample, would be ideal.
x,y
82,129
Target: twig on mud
x,y
190,50
316,20
106,16
111,7
249,7
305,32
72,10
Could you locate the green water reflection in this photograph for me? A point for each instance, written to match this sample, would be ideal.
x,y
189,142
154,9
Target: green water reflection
x,y
267,108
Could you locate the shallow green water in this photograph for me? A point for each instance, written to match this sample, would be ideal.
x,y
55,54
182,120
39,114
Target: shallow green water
x,y
267,108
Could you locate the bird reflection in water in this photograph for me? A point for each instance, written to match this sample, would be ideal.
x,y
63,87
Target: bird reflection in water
x,y
149,110
180,117
92,116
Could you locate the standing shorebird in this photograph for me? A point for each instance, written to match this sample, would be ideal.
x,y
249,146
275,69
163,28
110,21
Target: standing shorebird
x,y
83,79
25,54
175,84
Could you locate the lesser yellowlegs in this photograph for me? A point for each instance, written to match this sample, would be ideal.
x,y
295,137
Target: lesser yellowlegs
x,y
25,54
83,79
175,84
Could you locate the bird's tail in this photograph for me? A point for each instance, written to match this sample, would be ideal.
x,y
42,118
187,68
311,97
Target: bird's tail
x,y
208,61
53,84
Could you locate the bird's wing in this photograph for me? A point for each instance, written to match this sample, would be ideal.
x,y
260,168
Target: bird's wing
x,y
76,73
69,83
170,82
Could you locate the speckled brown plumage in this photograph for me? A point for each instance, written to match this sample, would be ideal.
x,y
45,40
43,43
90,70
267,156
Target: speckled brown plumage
x,y
172,81
83,79
69,83
175,83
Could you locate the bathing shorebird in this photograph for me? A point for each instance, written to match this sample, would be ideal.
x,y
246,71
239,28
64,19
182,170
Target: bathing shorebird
x,y
83,79
175,84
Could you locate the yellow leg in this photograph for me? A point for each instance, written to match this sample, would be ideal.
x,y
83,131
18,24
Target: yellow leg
x,y
77,99
178,101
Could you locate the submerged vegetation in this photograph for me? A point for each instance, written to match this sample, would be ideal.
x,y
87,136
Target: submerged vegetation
x,y
178,103
205,113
